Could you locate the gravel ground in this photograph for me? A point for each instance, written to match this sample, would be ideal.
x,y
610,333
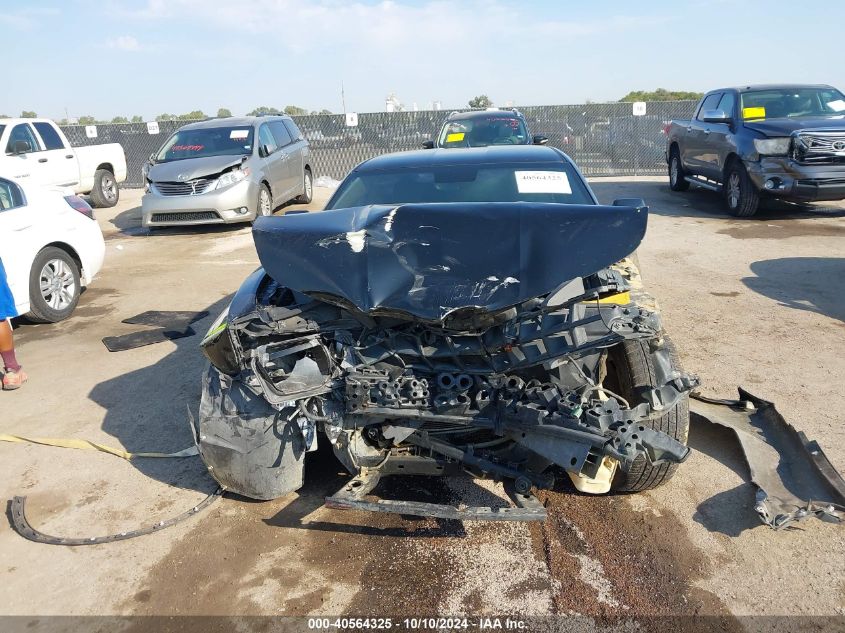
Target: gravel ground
x,y
758,303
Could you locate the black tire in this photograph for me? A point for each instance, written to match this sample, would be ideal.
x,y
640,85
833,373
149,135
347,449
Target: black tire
x,y
677,174
106,191
741,197
307,188
630,369
57,305
262,208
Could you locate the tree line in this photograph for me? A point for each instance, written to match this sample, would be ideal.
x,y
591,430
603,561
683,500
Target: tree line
x,y
195,115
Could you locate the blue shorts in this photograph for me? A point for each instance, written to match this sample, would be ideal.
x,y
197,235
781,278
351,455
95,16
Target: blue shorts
x,y
7,301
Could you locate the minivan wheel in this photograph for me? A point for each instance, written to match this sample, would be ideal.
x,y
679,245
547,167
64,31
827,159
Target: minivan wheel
x,y
54,286
265,201
106,192
307,188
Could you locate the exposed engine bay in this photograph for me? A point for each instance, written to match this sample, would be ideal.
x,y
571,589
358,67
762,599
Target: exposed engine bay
x,y
580,379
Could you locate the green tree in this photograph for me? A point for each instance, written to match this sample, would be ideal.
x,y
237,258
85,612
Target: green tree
x,y
661,94
137,119
293,110
264,110
166,117
193,116
224,112
481,101
120,119
28,114
86,120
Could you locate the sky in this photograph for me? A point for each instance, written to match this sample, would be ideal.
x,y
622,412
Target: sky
x,y
108,58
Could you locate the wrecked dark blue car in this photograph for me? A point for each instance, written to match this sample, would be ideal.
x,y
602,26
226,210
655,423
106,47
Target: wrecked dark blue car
x,y
473,310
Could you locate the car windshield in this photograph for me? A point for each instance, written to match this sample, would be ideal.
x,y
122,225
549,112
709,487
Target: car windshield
x,y
778,103
493,129
214,141
522,182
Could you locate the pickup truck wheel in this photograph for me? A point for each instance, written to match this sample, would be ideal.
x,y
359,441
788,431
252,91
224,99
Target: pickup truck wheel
x,y
630,369
741,197
307,188
54,286
677,174
106,192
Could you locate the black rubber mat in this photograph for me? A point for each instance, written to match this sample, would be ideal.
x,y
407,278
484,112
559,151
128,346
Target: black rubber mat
x,y
165,319
144,337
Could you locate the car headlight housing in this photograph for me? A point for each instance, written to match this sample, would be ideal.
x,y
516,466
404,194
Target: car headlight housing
x,y
217,345
231,177
772,146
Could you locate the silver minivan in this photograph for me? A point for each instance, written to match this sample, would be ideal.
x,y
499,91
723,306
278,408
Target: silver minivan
x,y
227,170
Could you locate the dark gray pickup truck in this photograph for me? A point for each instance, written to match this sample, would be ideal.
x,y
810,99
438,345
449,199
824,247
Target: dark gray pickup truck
x,y
783,141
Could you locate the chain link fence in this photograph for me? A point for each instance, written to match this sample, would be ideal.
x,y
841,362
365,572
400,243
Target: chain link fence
x,y
604,139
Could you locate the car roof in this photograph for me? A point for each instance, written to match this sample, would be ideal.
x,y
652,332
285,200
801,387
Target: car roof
x,y
477,114
491,154
232,121
771,87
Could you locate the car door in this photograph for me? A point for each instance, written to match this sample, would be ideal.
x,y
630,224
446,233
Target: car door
x,y
293,159
274,164
696,145
59,159
719,139
23,156
18,231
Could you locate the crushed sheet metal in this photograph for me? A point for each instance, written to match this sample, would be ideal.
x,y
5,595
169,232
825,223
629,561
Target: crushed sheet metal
x,y
94,446
22,526
793,476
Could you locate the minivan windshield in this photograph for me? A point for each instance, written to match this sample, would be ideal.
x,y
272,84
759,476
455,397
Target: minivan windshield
x,y
775,103
521,182
492,129
213,141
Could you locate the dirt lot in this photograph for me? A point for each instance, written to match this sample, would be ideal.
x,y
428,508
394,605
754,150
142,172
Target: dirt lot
x,y
758,303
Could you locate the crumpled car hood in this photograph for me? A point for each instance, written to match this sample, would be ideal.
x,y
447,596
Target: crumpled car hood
x,y
428,260
190,168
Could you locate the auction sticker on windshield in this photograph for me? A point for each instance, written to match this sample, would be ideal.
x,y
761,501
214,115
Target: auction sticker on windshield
x,y
236,134
542,182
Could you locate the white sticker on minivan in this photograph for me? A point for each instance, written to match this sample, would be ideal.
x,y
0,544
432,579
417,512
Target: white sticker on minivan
x,y
238,134
542,182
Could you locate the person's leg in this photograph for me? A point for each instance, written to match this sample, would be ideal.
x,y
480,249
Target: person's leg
x,y
13,376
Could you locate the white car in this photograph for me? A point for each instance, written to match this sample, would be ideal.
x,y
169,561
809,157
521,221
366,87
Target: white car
x,y
36,150
51,247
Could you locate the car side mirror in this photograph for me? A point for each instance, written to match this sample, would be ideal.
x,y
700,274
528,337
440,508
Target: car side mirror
x,y
637,203
716,116
264,150
22,147
428,145
539,139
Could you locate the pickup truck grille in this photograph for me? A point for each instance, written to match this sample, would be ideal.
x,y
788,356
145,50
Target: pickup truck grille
x,y
813,148
188,188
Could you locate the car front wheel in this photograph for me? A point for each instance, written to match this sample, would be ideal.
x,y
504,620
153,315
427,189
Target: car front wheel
x,y
265,201
741,197
54,286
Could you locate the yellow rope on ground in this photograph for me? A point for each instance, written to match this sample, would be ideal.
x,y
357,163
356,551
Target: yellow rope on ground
x,y
93,446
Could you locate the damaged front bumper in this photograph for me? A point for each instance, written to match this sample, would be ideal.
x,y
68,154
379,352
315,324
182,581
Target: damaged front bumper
x,y
513,401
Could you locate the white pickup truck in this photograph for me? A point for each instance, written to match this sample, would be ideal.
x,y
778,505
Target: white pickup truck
x,y
36,150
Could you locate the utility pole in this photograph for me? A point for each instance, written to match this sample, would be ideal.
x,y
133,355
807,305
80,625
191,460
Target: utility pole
x,y
342,96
